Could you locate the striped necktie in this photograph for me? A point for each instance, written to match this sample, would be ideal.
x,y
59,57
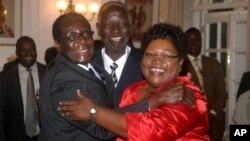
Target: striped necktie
x,y
113,68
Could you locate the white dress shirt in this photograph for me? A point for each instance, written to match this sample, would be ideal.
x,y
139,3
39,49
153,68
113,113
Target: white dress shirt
x,y
191,58
23,74
120,62
88,67
242,109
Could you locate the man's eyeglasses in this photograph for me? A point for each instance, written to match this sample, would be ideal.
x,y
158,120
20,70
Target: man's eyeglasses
x,y
75,36
164,56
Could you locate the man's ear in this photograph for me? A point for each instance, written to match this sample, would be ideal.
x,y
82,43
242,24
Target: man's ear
x,y
17,54
57,45
131,30
181,62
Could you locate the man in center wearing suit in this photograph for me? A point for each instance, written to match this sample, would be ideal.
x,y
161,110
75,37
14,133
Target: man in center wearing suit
x,y
208,75
114,27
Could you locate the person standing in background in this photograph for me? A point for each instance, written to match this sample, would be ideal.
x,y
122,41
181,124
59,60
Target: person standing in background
x,y
2,137
208,75
242,109
50,54
98,44
19,104
244,84
115,29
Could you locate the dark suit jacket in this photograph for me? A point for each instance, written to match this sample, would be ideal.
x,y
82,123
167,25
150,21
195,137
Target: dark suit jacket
x,y
60,82
2,137
131,72
244,84
13,104
213,78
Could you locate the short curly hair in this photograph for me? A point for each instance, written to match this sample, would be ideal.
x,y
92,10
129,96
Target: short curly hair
x,y
22,40
165,31
57,25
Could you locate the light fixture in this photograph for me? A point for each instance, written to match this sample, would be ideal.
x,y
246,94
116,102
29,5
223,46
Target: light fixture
x,y
81,8
3,11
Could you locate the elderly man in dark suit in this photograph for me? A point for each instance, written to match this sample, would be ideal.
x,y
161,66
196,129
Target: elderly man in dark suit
x,y
208,75
69,71
16,98
114,27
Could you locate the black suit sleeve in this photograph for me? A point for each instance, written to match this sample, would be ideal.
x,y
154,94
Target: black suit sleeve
x,y
244,84
141,106
2,138
65,89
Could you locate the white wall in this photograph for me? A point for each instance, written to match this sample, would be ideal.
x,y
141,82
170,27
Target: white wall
x,y
37,19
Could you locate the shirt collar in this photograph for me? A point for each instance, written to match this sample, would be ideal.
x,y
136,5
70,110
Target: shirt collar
x,y
22,68
121,60
192,57
86,67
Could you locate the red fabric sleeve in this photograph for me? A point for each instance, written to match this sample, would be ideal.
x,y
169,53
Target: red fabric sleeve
x,y
169,122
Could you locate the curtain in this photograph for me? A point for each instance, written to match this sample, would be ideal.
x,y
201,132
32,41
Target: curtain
x,y
171,11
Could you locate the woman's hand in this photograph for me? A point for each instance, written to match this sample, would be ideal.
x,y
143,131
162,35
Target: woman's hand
x,y
77,109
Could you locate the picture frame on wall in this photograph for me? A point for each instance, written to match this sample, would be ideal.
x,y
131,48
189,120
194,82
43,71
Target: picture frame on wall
x,y
142,17
10,21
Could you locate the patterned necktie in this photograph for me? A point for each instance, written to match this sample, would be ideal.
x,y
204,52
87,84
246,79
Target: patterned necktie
x,y
198,71
31,116
113,68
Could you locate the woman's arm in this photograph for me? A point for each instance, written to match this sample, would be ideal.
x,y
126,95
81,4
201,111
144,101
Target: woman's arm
x,y
107,118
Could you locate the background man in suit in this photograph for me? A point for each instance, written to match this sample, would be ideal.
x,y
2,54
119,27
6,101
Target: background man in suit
x,y
2,137
244,84
207,73
242,109
50,54
15,78
114,27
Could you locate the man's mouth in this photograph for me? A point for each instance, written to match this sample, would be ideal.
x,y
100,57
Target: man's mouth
x,y
83,50
116,39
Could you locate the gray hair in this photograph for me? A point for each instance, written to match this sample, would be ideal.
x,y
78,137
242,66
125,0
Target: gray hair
x,y
109,4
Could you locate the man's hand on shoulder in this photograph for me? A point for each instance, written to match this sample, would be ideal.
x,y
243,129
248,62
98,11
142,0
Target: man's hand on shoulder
x,y
172,94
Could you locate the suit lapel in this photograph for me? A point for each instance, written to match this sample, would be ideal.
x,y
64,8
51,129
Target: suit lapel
x,y
98,58
193,73
78,69
205,69
15,75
